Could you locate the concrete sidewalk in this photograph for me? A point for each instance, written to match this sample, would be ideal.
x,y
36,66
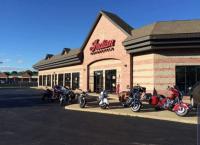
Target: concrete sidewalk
x,y
146,112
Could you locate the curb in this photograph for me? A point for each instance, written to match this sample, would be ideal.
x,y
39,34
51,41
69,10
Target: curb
x,y
132,115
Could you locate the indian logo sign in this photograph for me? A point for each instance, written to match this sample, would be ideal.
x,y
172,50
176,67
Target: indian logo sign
x,y
101,47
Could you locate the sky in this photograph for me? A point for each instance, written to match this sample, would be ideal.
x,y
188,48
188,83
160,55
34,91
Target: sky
x,y
29,29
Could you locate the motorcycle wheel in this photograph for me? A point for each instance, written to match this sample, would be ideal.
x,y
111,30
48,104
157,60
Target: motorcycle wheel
x,y
82,102
135,107
62,101
104,106
182,111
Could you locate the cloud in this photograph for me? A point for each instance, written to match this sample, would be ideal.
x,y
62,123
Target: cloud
x,y
5,60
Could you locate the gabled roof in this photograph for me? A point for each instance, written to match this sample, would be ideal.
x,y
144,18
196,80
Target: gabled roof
x,y
117,21
74,56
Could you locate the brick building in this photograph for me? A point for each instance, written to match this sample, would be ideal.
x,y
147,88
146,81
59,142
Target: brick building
x,y
114,56
17,79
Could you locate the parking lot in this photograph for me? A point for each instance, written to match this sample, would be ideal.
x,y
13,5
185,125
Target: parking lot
x,y
27,120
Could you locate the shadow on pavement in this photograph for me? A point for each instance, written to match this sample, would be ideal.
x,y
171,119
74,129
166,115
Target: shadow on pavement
x,y
12,98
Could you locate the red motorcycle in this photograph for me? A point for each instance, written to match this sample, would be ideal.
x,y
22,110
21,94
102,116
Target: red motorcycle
x,y
173,102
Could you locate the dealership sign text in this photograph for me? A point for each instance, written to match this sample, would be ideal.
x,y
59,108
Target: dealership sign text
x,y
100,47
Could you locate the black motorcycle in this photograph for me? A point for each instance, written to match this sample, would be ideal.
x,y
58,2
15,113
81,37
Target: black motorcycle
x,y
82,99
67,96
48,95
133,100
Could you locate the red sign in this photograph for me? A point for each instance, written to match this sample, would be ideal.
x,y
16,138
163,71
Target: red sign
x,y
100,47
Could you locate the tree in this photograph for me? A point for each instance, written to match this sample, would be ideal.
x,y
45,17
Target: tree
x,y
14,73
7,73
29,72
34,73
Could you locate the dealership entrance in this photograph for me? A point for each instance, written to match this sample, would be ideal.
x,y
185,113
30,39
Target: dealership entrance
x,y
187,76
108,82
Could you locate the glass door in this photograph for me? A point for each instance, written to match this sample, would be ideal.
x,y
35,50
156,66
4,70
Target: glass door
x,y
98,81
110,80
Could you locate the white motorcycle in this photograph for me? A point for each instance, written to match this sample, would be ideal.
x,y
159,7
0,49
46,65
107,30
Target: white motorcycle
x,y
103,100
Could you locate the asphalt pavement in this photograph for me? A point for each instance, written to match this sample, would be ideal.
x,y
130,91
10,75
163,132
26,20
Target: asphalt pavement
x,y
26,120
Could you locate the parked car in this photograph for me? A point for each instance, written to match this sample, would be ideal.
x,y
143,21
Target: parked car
x,y
195,95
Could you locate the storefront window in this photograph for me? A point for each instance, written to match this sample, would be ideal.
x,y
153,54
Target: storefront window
x,y
44,80
56,76
53,82
187,76
60,79
180,78
48,80
75,80
40,80
68,80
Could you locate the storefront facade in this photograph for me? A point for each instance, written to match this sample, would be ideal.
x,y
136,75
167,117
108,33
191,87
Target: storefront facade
x,y
106,62
166,53
115,56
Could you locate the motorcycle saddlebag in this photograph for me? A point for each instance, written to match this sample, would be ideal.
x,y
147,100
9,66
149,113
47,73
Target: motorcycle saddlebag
x,y
154,100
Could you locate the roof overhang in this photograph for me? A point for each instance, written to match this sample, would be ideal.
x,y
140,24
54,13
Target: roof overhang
x,y
163,41
60,63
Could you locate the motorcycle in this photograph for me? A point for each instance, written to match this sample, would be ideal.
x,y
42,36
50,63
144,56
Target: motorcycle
x,y
66,96
82,99
103,99
52,95
176,105
47,95
132,98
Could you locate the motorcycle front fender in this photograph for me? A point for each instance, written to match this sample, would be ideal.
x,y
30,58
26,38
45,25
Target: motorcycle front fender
x,y
176,107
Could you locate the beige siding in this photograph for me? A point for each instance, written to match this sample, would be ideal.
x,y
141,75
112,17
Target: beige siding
x,y
143,73
63,70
